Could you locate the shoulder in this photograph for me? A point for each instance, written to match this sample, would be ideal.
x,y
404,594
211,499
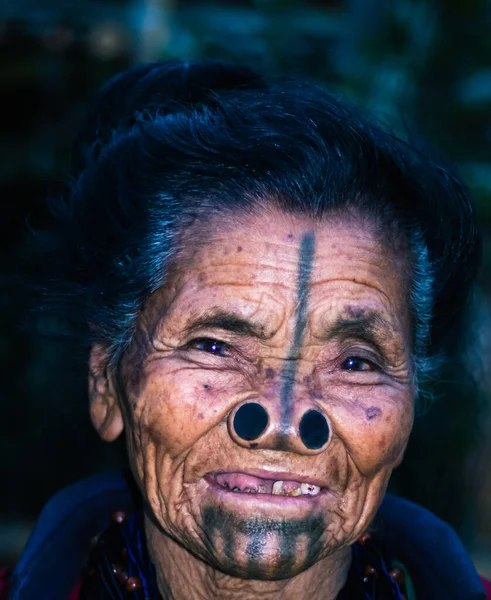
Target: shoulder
x,y
51,563
435,557
5,582
487,587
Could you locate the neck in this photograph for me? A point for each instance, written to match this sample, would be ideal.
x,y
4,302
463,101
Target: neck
x,y
180,576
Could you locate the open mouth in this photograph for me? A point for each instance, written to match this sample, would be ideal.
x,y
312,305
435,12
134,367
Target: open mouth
x,y
242,483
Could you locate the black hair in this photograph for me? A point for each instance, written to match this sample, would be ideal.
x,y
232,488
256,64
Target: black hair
x,y
168,143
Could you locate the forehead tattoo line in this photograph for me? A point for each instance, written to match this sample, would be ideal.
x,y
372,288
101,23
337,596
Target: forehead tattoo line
x,y
305,261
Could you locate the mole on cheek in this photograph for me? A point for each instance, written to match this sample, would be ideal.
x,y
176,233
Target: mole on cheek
x,y
373,412
207,387
239,248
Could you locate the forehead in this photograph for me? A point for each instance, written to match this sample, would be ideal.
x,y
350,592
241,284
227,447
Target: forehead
x,y
258,264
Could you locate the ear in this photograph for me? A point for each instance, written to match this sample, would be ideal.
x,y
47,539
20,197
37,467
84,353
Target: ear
x,y
105,411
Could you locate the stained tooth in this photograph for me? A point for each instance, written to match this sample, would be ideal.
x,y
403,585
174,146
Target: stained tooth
x,y
261,489
277,488
236,489
295,492
309,489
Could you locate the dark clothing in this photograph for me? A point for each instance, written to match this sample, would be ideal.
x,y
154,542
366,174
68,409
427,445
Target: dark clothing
x,y
50,566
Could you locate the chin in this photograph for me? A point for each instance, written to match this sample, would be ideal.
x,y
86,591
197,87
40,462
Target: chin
x,y
262,548
267,568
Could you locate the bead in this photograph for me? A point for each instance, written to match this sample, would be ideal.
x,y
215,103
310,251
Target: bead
x,y
118,517
370,571
133,584
397,575
364,538
120,574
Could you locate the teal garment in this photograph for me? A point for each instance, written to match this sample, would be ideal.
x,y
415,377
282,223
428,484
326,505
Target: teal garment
x,y
410,593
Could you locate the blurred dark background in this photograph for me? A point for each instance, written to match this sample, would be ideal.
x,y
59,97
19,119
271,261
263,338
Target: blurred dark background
x,y
420,65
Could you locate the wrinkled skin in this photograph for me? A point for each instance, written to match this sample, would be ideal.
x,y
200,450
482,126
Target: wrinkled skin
x,y
179,392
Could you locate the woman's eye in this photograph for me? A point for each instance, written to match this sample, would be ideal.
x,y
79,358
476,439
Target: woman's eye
x,y
355,363
211,346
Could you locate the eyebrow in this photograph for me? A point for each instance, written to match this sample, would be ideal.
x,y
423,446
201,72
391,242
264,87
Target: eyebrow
x,y
227,321
370,327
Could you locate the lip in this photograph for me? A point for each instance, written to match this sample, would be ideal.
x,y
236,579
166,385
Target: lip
x,y
293,506
266,474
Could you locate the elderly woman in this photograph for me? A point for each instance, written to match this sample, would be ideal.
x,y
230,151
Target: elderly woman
x,y
265,276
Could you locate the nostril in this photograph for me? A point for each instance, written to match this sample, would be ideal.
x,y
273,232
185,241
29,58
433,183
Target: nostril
x,y
250,421
314,430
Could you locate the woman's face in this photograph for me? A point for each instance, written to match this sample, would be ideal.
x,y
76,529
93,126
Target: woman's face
x,y
294,316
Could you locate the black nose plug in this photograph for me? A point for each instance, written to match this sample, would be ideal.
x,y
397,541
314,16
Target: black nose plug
x,y
314,430
250,421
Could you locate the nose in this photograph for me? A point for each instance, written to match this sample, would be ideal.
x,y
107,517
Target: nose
x,y
255,424
250,421
313,429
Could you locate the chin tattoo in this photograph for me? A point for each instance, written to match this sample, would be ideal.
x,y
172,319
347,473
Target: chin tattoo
x,y
241,546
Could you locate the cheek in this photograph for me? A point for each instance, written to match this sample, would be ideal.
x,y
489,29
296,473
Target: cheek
x,y
375,432
177,407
